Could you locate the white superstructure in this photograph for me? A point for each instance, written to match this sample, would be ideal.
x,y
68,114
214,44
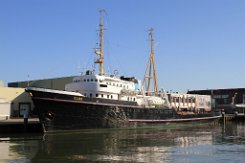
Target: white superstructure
x,y
112,87
108,87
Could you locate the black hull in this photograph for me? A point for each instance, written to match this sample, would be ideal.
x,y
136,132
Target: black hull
x,y
68,112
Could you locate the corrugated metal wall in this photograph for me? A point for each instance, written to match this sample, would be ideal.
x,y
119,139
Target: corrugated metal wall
x,y
55,83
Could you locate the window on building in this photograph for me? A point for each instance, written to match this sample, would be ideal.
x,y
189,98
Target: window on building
x,y
96,95
177,99
91,95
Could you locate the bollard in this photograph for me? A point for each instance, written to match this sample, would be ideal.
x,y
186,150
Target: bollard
x,y
223,115
26,116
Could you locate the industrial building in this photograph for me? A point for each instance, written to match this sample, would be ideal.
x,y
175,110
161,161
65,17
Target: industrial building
x,y
54,83
15,102
228,100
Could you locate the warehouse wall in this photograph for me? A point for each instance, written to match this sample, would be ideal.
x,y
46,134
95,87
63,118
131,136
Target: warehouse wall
x,y
5,109
56,83
18,98
1,83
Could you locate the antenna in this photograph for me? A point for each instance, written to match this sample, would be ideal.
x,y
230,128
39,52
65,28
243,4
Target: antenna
x,y
151,69
28,80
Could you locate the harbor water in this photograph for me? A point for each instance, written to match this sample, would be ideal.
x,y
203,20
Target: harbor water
x,y
197,143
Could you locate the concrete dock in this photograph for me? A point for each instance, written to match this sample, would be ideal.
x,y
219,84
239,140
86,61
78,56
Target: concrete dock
x,y
18,125
234,117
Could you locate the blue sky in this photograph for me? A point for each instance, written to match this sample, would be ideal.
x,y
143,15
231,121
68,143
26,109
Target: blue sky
x,y
199,44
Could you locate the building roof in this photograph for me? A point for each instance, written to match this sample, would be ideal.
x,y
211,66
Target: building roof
x,y
10,93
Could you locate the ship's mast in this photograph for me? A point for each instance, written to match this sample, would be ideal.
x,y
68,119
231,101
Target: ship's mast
x,y
151,68
99,51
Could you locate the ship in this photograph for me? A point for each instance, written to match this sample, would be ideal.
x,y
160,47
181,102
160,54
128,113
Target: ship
x,y
100,100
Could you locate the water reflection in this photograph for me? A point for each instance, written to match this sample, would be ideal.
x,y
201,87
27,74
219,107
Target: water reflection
x,y
187,144
18,148
233,133
142,145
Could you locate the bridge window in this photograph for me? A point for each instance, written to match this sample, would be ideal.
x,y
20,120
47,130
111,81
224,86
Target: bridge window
x,y
103,85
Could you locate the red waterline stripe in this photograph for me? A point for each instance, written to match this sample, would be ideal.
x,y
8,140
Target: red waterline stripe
x,y
172,120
